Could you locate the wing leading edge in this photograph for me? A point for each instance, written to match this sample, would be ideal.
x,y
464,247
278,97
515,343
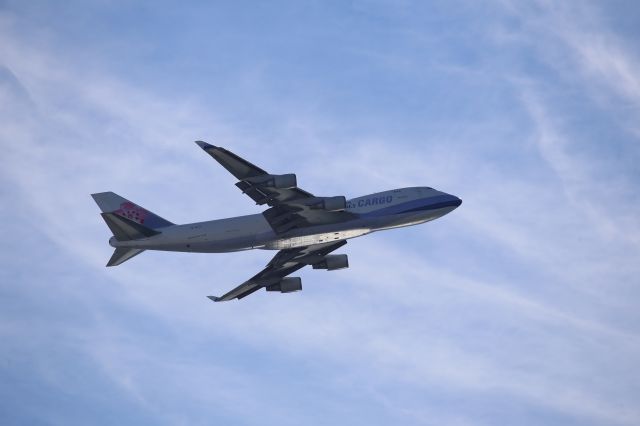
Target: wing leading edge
x,y
283,263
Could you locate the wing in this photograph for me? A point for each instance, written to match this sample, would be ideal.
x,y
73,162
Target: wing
x,y
291,207
283,263
255,182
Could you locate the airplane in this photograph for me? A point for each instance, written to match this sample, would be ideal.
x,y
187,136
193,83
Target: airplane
x,y
304,228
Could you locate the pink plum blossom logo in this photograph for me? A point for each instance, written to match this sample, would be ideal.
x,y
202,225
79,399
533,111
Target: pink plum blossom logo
x,y
132,211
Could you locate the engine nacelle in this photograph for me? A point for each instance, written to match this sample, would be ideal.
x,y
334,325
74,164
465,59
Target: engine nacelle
x,y
331,262
286,285
329,203
285,181
276,181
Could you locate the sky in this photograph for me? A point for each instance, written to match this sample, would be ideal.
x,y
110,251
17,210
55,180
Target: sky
x,y
520,307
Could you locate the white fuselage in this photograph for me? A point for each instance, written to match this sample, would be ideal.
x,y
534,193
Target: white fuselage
x,y
374,212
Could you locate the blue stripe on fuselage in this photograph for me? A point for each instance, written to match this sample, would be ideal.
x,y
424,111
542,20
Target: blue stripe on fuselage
x,y
422,204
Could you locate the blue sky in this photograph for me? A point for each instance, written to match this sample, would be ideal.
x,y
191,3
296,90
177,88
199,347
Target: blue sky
x,y
521,307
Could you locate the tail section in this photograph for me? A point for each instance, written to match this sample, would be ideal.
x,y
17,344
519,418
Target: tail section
x,y
127,221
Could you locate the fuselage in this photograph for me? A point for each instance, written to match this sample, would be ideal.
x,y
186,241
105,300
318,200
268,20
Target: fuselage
x,y
374,212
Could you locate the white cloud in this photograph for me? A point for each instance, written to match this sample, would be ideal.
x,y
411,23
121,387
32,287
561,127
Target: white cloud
x,y
413,322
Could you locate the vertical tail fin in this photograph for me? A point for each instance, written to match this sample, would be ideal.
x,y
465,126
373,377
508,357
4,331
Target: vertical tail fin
x,y
110,202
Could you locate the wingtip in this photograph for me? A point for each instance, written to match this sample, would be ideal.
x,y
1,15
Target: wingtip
x,y
214,298
204,145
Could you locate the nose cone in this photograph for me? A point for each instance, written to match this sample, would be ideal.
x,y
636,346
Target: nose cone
x,y
447,202
450,200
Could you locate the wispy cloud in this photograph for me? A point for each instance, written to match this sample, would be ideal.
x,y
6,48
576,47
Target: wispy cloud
x,y
505,300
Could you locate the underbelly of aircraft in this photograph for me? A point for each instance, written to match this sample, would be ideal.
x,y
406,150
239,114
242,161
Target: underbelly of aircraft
x,y
307,240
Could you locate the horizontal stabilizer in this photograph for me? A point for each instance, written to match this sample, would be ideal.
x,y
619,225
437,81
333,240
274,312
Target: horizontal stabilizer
x,y
126,229
122,254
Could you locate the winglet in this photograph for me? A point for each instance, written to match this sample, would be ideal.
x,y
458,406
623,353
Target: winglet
x,y
205,145
214,298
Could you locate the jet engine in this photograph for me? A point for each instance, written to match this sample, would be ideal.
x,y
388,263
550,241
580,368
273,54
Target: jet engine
x,y
286,285
275,181
332,262
328,203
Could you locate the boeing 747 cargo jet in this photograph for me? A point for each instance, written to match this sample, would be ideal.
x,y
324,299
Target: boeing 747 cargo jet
x,y
304,228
